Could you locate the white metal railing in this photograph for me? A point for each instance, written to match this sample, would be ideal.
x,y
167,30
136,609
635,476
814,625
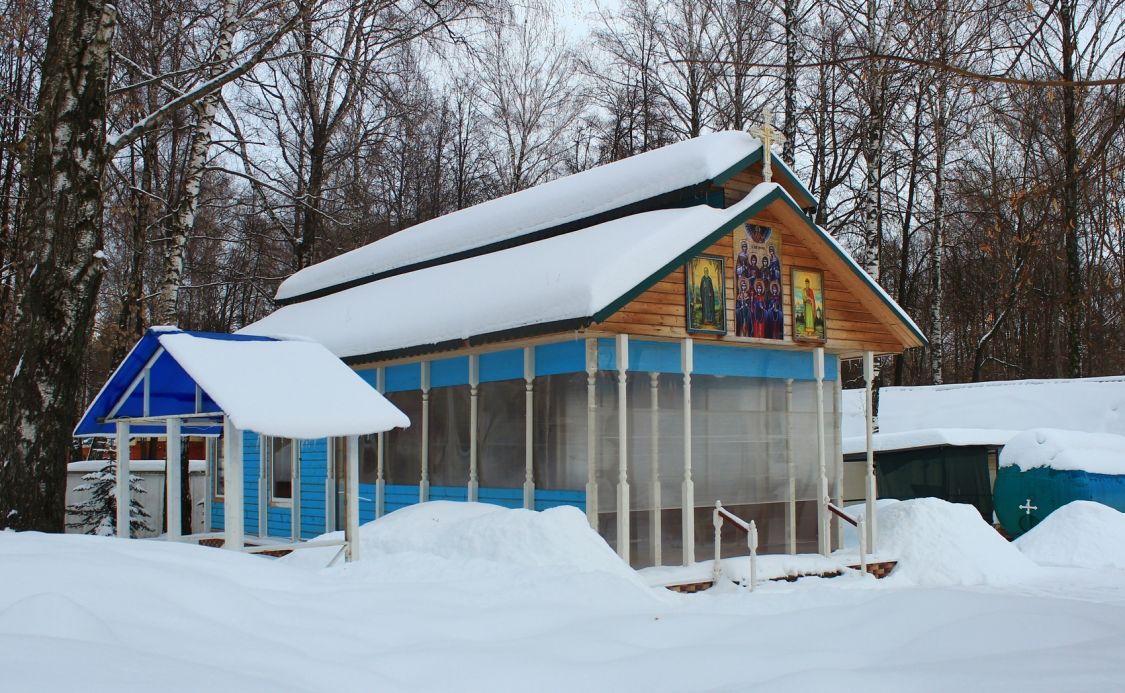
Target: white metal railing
x,y
719,517
294,545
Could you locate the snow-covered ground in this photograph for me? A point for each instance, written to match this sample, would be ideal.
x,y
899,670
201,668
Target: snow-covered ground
x,y
464,597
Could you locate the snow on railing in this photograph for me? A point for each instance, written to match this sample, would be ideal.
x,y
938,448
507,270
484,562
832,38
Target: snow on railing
x,y
722,515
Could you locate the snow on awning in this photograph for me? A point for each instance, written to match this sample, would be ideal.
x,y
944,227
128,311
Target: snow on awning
x,y
928,438
279,387
700,161
563,282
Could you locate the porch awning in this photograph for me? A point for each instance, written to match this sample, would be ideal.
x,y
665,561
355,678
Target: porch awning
x,y
279,387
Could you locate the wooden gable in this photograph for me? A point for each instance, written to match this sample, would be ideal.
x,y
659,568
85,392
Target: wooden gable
x,y
857,318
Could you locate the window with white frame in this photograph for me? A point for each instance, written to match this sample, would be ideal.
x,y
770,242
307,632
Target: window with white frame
x,y
281,463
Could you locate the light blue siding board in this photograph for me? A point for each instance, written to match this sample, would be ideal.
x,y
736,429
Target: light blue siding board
x,y
506,497
712,359
366,503
218,520
560,357
449,372
654,357
399,496
369,376
553,498
501,365
407,376
449,493
607,354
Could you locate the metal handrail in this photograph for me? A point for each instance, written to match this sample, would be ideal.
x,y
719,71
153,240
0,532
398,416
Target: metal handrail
x,y
838,512
721,515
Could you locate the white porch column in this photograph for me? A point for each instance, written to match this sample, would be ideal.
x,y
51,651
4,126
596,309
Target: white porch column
x,y
869,495
295,493
687,361
173,480
474,411
791,467
351,499
838,454
232,486
424,483
591,432
623,536
528,427
654,441
380,445
122,488
823,536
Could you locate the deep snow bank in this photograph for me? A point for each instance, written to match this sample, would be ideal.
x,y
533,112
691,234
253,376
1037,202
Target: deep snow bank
x,y
940,543
466,533
1081,533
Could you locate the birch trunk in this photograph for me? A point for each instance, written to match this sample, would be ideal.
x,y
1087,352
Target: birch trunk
x,y
872,151
183,217
789,129
1074,303
941,125
65,163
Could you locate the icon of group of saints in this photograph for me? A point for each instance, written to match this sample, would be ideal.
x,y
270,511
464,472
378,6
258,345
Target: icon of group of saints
x,y
757,305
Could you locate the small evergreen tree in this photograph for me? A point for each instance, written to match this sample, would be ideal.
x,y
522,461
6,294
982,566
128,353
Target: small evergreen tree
x,y
98,513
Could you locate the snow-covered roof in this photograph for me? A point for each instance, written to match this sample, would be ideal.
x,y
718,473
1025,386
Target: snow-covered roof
x,y
927,438
709,159
1095,405
290,388
565,278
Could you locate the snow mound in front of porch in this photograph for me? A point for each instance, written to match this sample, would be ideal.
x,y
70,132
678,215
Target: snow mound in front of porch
x,y
463,534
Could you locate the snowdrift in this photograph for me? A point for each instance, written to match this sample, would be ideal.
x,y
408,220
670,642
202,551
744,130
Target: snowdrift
x,y
465,535
940,543
1082,534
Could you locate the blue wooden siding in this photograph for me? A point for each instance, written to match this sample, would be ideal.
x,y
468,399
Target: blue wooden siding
x,y
217,517
449,493
314,475
397,496
553,498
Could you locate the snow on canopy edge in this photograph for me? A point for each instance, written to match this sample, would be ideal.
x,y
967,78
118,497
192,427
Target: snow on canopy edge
x,y
1053,448
697,161
655,242
927,438
308,393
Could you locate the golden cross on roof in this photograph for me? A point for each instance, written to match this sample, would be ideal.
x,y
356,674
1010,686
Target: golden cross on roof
x,y
768,135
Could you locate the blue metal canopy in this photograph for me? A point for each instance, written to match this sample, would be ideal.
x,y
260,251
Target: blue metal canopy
x,y
149,369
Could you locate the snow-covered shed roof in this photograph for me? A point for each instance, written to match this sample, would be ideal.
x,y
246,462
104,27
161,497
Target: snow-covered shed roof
x,y
1094,405
927,438
280,387
560,283
659,178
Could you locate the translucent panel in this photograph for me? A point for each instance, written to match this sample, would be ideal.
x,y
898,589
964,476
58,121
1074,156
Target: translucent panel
x,y
500,421
368,458
606,460
215,458
449,436
403,462
560,432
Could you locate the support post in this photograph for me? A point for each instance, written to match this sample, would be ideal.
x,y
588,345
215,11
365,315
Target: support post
x,y
623,505
654,442
232,486
424,482
869,495
295,493
122,488
687,361
528,427
351,499
791,468
838,454
474,410
380,452
172,479
861,532
823,535
752,544
591,432
717,522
